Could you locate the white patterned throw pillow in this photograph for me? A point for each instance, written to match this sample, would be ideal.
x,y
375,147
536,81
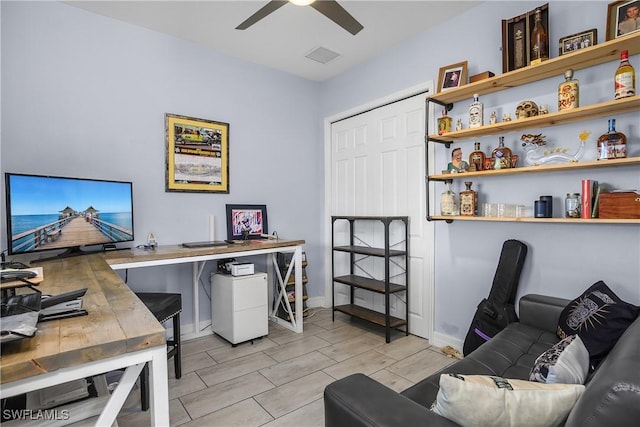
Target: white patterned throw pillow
x,y
566,362
483,400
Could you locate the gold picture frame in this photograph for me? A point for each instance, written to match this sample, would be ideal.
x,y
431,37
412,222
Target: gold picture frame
x,y
197,157
452,76
617,23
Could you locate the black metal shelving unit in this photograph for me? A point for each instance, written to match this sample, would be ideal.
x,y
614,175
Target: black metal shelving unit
x,y
383,286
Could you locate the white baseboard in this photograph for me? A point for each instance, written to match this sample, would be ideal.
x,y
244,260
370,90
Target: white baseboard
x,y
315,302
440,340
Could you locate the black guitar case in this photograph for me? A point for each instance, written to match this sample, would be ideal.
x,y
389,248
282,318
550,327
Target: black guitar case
x,y
498,310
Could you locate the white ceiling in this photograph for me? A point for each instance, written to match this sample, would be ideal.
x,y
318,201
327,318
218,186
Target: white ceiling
x,y
282,39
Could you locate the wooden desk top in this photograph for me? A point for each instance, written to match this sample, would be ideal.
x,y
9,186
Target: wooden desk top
x,y
117,323
177,251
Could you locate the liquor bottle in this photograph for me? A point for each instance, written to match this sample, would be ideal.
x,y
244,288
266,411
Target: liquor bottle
x,y
568,92
501,156
613,144
475,113
468,201
539,40
444,123
476,159
625,81
448,201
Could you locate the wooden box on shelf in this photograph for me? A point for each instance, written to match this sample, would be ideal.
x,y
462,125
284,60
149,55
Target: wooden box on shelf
x,y
619,205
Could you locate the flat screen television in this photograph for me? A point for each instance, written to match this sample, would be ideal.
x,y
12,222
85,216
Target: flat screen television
x,y
51,212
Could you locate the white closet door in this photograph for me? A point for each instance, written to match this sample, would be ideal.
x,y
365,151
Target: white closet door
x,y
377,168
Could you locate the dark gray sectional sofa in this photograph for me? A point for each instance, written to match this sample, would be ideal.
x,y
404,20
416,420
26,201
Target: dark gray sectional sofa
x,y
611,396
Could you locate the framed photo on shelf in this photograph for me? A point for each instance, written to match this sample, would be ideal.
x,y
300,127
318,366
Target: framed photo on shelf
x,y
246,222
623,17
516,38
452,76
197,156
578,41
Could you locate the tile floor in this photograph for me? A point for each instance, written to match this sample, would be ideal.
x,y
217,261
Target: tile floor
x,y
279,380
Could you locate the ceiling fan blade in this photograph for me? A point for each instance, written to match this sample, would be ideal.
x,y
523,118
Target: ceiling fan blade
x,y
332,10
267,9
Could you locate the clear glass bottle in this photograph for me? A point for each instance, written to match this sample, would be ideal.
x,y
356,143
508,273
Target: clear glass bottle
x,y
501,156
539,40
444,123
476,110
568,92
448,201
613,144
468,201
476,158
572,205
625,80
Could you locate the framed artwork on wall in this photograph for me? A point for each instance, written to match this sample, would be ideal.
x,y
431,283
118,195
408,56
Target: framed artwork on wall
x,y
452,76
246,222
578,41
623,17
197,156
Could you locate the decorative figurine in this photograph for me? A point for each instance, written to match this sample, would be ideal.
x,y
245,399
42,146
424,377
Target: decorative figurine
x,y
506,117
493,118
544,109
526,109
537,152
457,164
459,124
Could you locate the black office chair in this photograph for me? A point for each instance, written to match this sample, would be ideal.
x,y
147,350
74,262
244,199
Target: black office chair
x,y
164,306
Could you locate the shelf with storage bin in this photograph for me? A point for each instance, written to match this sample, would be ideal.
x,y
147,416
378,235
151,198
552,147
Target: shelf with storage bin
x,y
531,219
368,283
588,57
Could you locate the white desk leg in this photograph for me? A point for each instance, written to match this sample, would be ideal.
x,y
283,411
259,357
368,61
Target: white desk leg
x,y
196,273
297,259
125,384
159,387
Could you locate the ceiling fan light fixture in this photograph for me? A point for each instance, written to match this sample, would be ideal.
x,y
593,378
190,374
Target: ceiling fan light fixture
x,y
302,2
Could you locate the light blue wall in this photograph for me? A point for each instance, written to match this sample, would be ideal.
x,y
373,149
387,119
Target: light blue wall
x,y
84,95
563,260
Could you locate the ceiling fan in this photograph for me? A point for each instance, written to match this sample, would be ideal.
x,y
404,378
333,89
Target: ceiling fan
x,y
329,8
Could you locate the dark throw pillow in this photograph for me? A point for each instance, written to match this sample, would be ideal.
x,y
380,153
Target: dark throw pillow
x,y
599,317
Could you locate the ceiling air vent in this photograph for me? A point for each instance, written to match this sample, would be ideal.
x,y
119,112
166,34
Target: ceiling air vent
x,y
322,55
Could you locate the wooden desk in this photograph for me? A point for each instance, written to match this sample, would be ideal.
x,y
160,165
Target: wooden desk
x,y
119,332
176,254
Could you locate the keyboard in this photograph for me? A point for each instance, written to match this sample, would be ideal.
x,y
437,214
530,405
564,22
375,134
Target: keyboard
x,y
19,304
208,244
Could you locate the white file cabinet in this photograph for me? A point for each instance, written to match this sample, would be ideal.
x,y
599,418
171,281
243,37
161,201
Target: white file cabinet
x,y
239,309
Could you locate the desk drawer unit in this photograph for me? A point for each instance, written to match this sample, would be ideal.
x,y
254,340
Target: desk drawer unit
x,y
239,308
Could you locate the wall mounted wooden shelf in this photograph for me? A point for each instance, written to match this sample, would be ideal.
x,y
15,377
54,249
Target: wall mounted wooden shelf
x,y
595,164
588,57
609,108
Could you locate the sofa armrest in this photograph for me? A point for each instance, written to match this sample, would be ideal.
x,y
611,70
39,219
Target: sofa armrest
x,y
358,401
541,311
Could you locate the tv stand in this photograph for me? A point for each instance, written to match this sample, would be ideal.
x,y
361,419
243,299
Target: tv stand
x,y
77,251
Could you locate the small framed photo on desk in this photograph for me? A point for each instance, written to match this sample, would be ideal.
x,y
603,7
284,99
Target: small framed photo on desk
x,y
246,222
